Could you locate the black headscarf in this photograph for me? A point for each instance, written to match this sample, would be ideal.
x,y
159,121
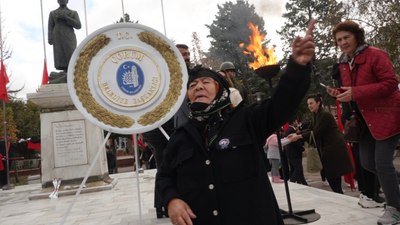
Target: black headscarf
x,y
202,111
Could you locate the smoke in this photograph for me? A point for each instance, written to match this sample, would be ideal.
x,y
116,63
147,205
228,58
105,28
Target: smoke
x,y
272,11
269,8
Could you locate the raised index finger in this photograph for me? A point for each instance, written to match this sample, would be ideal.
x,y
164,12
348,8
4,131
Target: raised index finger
x,y
310,27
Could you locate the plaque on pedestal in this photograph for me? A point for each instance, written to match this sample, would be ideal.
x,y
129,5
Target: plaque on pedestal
x,y
69,141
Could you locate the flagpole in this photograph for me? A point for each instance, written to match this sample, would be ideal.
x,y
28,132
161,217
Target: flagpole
x,y
45,76
123,11
163,16
84,2
43,36
8,186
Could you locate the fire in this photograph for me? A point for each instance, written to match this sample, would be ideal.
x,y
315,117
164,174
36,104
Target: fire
x,y
263,56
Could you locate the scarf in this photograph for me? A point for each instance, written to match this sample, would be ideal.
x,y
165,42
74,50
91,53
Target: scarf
x,y
202,111
346,59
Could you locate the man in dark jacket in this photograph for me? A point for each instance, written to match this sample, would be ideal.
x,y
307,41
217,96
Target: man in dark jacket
x,y
214,168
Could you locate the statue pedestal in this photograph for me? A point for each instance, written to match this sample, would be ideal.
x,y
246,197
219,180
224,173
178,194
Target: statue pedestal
x,y
69,141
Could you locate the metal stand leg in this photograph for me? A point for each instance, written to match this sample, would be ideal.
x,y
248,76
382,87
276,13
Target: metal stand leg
x,y
96,158
135,145
290,216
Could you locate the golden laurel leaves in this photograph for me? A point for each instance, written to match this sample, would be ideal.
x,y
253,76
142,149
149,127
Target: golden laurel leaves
x,y
102,114
175,83
83,90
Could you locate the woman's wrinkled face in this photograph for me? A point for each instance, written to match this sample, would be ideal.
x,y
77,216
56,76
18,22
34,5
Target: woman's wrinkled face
x,y
202,89
313,106
347,42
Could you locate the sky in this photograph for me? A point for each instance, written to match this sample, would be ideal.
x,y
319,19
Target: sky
x,y
23,33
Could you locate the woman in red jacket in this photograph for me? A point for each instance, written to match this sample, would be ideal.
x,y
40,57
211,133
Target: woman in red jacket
x,y
369,82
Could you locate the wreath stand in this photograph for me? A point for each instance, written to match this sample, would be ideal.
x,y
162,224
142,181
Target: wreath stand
x,y
92,68
96,158
289,217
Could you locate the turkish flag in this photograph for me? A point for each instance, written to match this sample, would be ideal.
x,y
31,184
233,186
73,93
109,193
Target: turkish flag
x,y
45,77
3,82
34,146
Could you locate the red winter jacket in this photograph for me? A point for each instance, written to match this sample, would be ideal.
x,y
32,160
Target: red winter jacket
x,y
376,91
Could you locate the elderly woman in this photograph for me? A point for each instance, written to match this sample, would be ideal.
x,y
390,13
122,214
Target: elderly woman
x,y
214,170
369,84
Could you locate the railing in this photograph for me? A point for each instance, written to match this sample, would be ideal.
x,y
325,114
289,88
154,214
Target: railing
x,y
19,164
24,164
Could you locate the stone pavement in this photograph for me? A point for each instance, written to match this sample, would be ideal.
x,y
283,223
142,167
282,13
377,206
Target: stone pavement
x,y
314,179
119,205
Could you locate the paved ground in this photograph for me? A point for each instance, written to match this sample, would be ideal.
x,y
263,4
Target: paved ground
x,y
314,180
119,205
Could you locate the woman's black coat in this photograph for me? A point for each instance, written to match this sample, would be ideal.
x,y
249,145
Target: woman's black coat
x,y
226,183
335,157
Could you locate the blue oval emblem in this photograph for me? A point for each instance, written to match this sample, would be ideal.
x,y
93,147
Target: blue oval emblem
x,y
130,78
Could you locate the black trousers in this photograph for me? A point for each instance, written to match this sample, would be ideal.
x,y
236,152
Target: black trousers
x,y
336,184
296,171
368,183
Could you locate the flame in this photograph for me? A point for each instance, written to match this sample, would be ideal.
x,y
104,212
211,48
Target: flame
x,y
263,56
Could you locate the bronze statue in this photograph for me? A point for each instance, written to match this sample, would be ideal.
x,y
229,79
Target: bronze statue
x,y
62,22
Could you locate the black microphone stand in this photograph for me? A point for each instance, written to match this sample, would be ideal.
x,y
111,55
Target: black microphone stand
x,y
289,217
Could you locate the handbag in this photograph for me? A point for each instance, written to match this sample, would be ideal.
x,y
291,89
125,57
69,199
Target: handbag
x,y
353,128
314,164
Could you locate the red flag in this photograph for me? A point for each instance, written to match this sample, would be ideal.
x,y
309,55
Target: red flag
x,y
349,178
339,116
45,77
1,162
285,127
34,146
3,82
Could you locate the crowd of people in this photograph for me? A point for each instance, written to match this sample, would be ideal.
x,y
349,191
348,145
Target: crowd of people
x,y
232,147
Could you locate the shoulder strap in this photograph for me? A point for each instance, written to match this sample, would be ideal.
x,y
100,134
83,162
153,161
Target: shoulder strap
x,y
353,77
312,139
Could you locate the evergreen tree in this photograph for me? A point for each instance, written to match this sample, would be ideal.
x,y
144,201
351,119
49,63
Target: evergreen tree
x,y
11,127
197,54
229,29
381,21
299,13
26,118
327,13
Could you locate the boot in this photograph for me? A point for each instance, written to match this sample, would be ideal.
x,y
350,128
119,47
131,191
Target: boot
x,y
276,179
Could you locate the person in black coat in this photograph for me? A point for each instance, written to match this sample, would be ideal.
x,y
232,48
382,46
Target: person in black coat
x,y
294,153
335,158
213,170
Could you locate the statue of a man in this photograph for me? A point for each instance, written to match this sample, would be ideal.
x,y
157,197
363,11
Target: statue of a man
x,y
62,22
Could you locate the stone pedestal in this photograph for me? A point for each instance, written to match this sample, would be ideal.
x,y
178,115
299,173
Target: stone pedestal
x,y
69,141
